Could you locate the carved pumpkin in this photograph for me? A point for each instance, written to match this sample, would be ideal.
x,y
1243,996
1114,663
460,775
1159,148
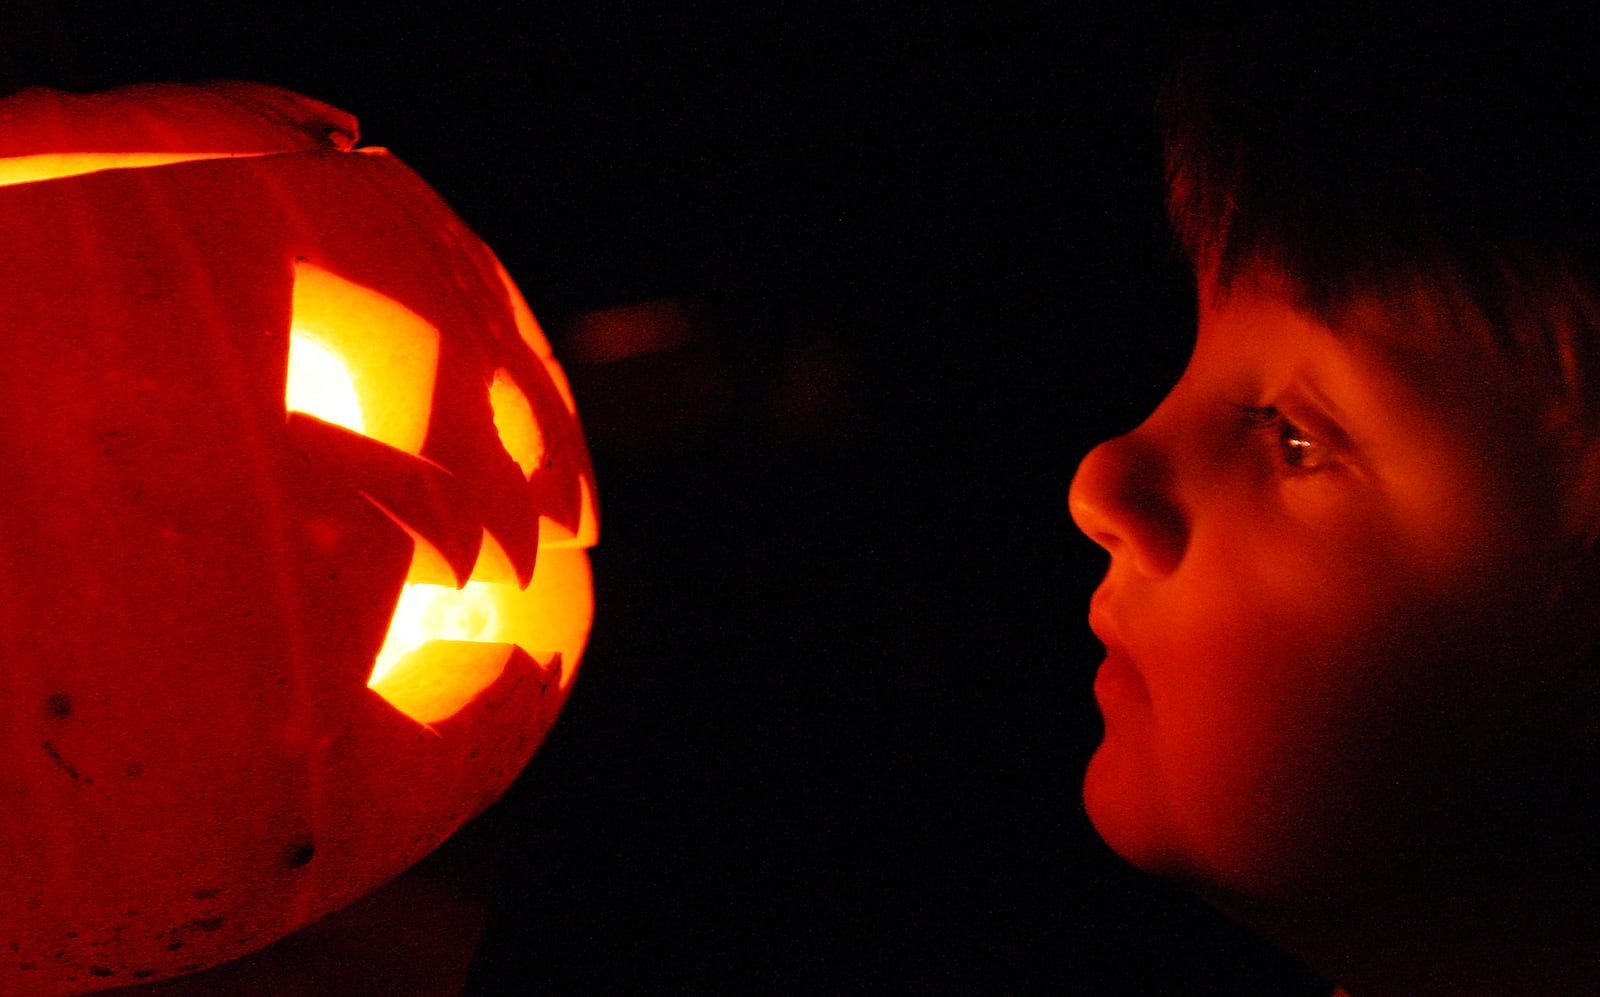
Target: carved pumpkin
x,y
293,529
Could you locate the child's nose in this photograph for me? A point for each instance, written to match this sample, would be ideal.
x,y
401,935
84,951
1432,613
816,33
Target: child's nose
x,y
1122,499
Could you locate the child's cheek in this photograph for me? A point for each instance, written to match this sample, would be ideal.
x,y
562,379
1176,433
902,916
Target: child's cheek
x,y
1272,697
1302,713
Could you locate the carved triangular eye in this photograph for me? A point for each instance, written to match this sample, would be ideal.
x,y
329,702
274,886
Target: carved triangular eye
x,y
360,359
513,418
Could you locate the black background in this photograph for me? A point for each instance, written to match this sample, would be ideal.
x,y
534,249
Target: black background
x,y
830,729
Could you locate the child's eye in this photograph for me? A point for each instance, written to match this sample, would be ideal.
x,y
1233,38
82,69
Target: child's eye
x,y
1296,448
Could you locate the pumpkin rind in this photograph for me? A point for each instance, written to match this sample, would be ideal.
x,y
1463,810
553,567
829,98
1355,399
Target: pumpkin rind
x,y
196,582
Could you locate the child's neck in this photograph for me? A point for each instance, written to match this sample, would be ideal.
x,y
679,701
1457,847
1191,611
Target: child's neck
x,y
1532,943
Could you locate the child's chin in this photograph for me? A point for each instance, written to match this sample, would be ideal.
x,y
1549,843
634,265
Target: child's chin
x,y
1250,877
1120,799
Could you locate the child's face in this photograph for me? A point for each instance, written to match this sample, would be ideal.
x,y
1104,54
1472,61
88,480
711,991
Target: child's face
x,y
1334,613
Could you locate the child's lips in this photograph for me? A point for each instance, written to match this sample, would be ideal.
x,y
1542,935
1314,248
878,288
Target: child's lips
x,y
1118,679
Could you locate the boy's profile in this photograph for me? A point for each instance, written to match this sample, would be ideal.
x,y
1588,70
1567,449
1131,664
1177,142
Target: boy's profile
x,y
1352,614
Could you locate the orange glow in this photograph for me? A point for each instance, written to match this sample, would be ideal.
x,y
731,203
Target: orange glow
x,y
52,165
360,359
630,331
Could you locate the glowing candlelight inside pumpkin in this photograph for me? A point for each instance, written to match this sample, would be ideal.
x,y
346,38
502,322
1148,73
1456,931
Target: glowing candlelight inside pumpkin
x,y
53,165
320,385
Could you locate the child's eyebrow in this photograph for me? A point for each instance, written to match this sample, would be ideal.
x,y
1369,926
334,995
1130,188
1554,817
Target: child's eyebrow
x,y
1405,342
1312,385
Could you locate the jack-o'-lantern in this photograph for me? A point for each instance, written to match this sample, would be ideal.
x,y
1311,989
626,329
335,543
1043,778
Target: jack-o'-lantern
x,y
293,530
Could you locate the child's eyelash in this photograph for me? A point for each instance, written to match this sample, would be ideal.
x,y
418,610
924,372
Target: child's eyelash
x,y
1297,449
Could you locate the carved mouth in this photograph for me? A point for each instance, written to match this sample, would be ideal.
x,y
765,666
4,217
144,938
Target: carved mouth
x,y
361,361
445,645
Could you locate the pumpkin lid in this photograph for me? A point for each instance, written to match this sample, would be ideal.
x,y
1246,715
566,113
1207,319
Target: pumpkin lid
x,y
218,118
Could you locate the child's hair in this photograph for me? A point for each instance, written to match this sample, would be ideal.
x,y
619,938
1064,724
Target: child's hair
x,y
1445,172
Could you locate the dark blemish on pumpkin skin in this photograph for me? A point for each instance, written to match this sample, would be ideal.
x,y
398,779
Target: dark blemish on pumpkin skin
x,y
207,924
55,756
143,974
299,855
206,894
100,971
134,770
174,946
58,706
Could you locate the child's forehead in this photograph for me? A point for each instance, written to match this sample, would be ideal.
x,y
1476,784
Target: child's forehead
x,y
1433,333
1423,324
